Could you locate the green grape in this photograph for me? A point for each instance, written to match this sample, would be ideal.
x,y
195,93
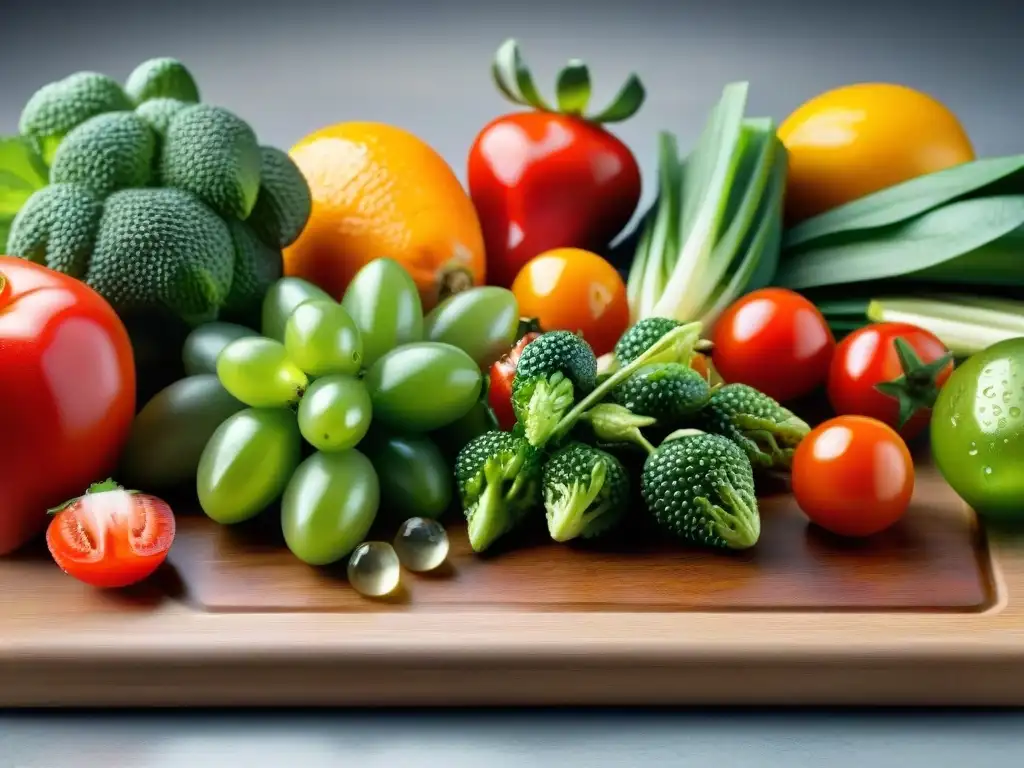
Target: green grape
x,y
321,338
247,464
205,343
482,322
415,479
423,386
258,372
329,505
385,305
282,299
335,413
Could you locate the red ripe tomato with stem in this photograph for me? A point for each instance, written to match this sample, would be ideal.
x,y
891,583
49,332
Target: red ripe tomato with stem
x,y
67,393
892,372
553,176
503,371
774,340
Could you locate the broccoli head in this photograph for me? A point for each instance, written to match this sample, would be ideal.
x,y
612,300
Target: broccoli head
x,y
767,432
586,492
554,370
668,392
641,337
700,487
499,481
159,203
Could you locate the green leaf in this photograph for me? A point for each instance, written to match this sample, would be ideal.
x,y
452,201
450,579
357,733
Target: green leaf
x,y
513,77
921,243
627,101
573,88
911,198
22,172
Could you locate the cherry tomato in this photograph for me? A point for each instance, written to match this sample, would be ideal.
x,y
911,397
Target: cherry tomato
x,y
569,289
774,340
111,537
499,394
67,393
890,371
853,476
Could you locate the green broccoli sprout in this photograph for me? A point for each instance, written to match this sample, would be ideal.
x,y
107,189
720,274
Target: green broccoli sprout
x,y
700,488
499,483
283,203
106,153
57,227
586,492
766,431
555,369
668,392
641,336
161,78
158,113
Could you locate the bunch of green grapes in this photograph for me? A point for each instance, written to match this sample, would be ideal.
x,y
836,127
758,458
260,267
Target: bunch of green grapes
x,y
342,404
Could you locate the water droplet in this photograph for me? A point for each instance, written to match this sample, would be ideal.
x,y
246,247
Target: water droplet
x,y
1006,396
1015,412
988,470
981,409
989,392
972,452
997,411
421,544
373,569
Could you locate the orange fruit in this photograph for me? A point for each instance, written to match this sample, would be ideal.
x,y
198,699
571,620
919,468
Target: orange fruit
x,y
859,139
380,191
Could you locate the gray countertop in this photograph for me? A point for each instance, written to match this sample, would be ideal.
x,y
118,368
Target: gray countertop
x,y
292,66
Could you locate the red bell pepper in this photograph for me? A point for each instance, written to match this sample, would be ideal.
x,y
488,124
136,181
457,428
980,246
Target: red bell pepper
x,y
551,177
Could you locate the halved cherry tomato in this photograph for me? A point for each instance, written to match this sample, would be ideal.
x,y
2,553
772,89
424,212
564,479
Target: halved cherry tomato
x,y
569,289
111,537
774,340
499,394
853,476
890,371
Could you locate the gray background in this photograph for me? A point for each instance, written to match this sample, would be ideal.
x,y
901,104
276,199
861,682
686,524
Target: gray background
x,y
291,66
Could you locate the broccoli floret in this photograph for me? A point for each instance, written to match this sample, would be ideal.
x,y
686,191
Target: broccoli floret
x,y
586,492
162,247
57,227
499,482
611,423
213,154
668,392
700,487
159,113
284,203
257,267
765,430
56,108
161,78
105,153
554,370
641,337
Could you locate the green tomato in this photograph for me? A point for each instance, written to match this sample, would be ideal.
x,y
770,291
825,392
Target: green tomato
x,y
282,299
977,430
247,464
415,479
452,437
480,321
335,413
423,386
259,372
321,338
329,505
168,435
385,304
203,344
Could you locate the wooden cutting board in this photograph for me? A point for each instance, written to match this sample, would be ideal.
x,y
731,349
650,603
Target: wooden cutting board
x,y
930,612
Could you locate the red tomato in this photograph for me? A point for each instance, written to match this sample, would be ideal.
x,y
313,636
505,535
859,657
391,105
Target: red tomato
x,y
868,376
853,476
774,340
569,289
503,371
111,537
542,180
67,392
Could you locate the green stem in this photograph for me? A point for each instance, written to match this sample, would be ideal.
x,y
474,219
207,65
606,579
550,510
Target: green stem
x,y
669,347
490,517
568,518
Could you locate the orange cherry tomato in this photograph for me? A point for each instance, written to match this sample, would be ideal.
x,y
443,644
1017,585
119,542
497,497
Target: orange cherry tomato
x,y
569,289
774,340
853,476
111,537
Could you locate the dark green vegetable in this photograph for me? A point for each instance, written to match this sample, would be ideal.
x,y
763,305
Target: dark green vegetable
x,y
499,483
555,370
586,492
700,487
612,423
668,392
415,479
766,431
638,339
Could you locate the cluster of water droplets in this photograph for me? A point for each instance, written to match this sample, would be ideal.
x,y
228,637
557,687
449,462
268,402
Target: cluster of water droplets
x,y
375,567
